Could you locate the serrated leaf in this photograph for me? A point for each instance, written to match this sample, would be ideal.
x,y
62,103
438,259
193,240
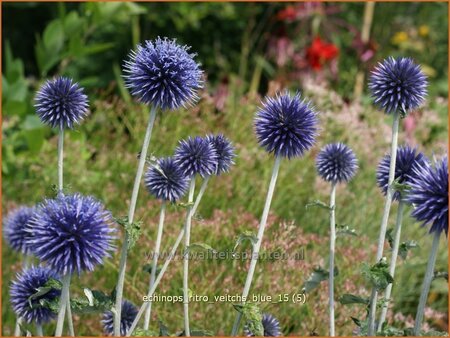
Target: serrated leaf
x,y
389,237
51,284
348,298
133,230
402,188
345,230
377,275
318,275
405,247
198,246
245,236
252,317
320,204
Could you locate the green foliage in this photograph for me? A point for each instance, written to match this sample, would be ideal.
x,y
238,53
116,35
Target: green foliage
x,y
347,298
245,236
318,275
377,275
133,230
319,204
252,317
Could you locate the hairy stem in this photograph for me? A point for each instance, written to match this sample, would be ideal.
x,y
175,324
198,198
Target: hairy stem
x,y
187,239
429,274
255,253
395,247
155,261
332,251
384,221
132,208
60,159
63,304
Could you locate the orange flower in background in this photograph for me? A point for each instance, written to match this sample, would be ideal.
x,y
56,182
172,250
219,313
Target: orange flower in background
x,y
320,52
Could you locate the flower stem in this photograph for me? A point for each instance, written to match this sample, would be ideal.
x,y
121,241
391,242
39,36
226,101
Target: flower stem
x,y
187,239
200,194
332,251
26,260
396,245
63,304
262,225
384,221
155,261
69,316
429,274
161,273
132,208
60,159
39,331
17,331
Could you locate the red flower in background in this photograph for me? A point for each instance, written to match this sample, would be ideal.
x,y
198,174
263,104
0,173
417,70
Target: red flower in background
x,y
320,52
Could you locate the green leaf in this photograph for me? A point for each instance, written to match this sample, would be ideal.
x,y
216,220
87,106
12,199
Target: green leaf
x,y
319,204
345,230
405,247
72,23
133,230
198,246
148,268
95,302
348,298
317,276
51,284
245,236
378,275
400,187
53,36
163,330
442,274
389,237
252,317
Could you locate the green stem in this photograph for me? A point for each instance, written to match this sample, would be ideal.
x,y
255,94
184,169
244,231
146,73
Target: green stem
x,y
132,208
384,220
255,253
332,251
161,273
187,238
17,331
395,247
429,274
60,159
155,261
63,305
200,194
69,316
39,331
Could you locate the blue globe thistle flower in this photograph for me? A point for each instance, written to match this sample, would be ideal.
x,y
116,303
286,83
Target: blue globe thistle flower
x,y
407,158
196,156
429,195
163,73
398,84
270,324
336,163
71,233
24,286
225,152
127,316
14,228
61,103
286,125
166,181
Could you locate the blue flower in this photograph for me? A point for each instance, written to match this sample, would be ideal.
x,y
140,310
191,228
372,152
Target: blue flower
x,y
398,84
196,156
61,103
429,195
270,324
27,284
286,125
163,73
166,181
14,228
71,233
336,163
225,152
407,158
128,314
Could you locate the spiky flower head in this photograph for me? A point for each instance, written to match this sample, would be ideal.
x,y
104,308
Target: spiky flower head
x,y
127,316
407,158
163,73
429,195
71,233
225,152
196,156
336,163
270,324
14,228
61,103
26,284
286,125
165,180
398,84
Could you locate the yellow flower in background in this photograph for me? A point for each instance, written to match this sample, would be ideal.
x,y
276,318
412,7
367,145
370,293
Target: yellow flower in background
x,y
424,30
399,38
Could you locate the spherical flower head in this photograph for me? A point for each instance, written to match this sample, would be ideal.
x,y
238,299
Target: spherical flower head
x,y
61,103
398,85
166,181
336,163
163,73
27,284
225,152
286,125
71,233
127,316
14,228
407,158
429,195
270,324
196,156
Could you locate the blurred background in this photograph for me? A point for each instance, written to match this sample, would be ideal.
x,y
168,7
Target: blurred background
x,y
247,50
